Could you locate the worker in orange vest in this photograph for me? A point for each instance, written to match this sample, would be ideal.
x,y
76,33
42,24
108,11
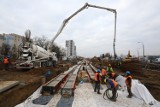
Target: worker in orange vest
x,y
6,63
129,83
103,74
97,81
114,87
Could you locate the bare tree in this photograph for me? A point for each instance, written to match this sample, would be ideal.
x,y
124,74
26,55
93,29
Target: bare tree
x,y
41,41
5,49
55,48
44,42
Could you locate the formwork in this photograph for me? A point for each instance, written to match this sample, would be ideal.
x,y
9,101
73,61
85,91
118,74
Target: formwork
x,y
70,85
52,86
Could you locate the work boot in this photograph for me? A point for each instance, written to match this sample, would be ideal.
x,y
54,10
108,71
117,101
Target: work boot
x,y
113,100
98,93
129,96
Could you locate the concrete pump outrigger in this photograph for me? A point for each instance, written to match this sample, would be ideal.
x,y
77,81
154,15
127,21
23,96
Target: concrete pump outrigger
x,y
82,8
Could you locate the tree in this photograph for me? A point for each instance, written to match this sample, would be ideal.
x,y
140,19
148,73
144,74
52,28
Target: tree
x,y
44,43
5,49
14,51
56,49
41,41
107,55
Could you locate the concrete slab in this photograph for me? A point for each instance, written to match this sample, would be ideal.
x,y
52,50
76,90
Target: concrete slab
x,y
5,85
53,83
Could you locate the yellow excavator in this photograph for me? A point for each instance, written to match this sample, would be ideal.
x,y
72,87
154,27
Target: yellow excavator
x,y
129,58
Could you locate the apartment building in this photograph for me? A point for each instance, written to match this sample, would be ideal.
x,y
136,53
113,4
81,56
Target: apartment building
x,y
70,49
12,40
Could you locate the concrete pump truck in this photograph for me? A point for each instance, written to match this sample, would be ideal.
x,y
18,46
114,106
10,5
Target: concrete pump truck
x,y
32,55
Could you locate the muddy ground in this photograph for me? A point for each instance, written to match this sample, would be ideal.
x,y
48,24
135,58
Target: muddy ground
x,y
29,82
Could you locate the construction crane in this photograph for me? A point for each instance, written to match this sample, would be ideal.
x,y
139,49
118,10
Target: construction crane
x,y
75,13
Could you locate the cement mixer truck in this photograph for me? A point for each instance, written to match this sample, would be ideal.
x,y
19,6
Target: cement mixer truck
x,y
33,56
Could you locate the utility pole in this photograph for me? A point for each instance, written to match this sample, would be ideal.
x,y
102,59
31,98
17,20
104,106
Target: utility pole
x,y
143,50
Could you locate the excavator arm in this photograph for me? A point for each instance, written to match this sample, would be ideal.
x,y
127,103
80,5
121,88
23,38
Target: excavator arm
x,y
75,13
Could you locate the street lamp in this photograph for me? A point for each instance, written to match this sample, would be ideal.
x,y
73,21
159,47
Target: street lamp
x,y
143,49
138,53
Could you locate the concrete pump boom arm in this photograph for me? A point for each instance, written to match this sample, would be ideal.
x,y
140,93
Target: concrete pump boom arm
x,y
75,13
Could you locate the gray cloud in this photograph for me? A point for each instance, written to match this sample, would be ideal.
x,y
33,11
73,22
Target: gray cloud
x,y
92,29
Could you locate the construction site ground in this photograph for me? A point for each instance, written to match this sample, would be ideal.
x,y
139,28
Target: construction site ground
x,y
29,80
32,79
84,96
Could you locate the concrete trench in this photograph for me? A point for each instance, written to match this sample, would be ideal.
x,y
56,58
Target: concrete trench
x,y
18,94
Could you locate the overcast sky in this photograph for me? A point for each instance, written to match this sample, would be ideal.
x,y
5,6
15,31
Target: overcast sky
x,y
92,29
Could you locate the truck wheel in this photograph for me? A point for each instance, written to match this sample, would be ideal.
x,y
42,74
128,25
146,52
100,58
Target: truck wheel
x,y
44,64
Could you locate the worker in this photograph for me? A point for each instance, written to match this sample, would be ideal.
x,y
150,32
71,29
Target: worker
x,y
97,81
103,74
119,64
129,83
113,75
114,86
109,68
6,63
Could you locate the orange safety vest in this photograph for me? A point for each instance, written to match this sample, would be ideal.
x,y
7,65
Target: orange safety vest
x,y
114,82
127,81
95,76
103,72
6,61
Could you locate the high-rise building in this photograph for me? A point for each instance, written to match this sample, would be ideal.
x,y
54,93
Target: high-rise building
x,y
70,49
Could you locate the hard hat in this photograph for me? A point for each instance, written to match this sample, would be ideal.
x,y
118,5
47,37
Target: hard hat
x,y
98,70
128,72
